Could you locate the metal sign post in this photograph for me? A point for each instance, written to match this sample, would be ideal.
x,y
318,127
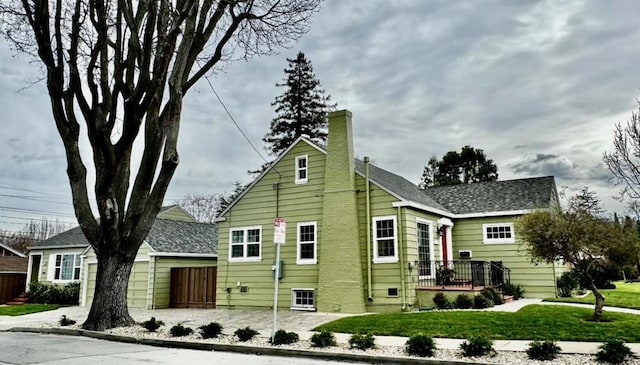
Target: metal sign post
x,y
279,238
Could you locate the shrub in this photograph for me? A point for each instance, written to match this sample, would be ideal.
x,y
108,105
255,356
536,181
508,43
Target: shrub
x,y
567,283
420,345
463,301
477,346
442,302
480,302
152,325
282,337
245,334
64,321
211,330
543,350
493,294
517,291
362,341
54,294
323,338
179,330
614,351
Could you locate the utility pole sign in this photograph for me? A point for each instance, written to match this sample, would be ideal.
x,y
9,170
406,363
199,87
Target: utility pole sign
x,y
279,237
279,231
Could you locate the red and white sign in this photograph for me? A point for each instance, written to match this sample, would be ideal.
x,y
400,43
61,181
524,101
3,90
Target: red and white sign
x,y
279,230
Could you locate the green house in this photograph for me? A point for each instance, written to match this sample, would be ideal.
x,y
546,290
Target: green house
x,y
174,267
362,239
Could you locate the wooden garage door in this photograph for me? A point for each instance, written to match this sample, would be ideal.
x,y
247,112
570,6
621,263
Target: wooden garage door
x,y
193,287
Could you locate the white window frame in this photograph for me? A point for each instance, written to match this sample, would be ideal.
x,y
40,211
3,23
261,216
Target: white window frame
x,y
244,244
305,169
432,251
299,259
490,241
302,307
385,259
76,256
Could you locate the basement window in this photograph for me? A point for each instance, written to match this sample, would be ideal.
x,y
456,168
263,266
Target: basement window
x,y
303,299
392,292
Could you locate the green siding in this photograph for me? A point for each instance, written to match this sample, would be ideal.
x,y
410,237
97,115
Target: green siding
x,y
538,280
177,214
136,291
296,203
160,274
45,264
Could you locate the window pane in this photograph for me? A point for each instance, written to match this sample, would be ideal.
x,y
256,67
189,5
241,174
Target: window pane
x,y
253,235
253,250
384,228
237,236
307,251
302,163
66,272
76,273
307,233
385,248
304,298
237,251
302,174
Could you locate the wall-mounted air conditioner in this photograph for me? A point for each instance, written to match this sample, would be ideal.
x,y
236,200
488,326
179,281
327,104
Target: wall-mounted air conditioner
x,y
464,254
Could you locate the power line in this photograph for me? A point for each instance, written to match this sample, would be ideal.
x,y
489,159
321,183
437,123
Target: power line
x,y
25,210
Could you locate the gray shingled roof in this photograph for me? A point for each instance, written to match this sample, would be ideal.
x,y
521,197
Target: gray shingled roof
x,y
496,196
169,235
166,235
399,185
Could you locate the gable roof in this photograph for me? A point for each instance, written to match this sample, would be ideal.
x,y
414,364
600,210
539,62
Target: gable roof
x,y
496,196
12,250
398,186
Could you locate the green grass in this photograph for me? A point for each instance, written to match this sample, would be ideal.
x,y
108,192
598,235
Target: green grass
x,y
625,295
18,310
531,322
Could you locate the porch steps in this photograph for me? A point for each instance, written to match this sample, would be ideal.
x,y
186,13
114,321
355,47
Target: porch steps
x,y
19,300
507,298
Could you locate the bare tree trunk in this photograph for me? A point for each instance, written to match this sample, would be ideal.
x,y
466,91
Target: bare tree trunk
x,y
599,307
112,281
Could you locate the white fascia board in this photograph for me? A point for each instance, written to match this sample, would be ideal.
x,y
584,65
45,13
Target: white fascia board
x,y
19,254
219,219
178,254
95,261
280,157
40,248
494,214
406,203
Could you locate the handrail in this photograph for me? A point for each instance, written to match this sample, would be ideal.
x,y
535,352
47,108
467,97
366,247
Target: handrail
x,y
468,274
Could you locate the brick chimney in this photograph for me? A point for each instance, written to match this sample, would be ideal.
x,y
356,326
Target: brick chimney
x,y
340,278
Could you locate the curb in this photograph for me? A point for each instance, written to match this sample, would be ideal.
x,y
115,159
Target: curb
x,y
243,349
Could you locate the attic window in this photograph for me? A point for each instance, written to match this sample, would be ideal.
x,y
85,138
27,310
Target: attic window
x,y
498,233
302,169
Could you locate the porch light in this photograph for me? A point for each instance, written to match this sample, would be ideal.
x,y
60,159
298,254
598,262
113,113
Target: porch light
x,y
441,229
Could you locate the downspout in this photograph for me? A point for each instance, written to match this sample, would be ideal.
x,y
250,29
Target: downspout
x,y
555,279
401,256
369,228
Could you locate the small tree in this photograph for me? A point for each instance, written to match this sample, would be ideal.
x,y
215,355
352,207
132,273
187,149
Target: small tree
x,y
468,166
202,207
301,109
577,237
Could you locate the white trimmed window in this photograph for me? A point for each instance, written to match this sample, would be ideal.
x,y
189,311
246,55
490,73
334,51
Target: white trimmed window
x,y
307,243
303,299
498,233
245,244
302,169
385,243
66,267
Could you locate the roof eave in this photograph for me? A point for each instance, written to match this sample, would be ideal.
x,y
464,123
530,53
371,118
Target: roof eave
x,y
183,254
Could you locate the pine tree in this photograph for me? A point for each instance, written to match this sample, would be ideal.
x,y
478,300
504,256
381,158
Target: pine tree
x,y
301,110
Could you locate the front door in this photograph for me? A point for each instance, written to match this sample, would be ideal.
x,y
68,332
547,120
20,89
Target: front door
x,y
35,268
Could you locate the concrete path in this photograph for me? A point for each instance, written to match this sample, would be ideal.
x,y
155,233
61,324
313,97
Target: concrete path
x,y
299,322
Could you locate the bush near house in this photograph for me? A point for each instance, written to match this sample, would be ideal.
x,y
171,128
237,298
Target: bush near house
x,y
442,302
481,302
463,301
493,294
517,291
54,294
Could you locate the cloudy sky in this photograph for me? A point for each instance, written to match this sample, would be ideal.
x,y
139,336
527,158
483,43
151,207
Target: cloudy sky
x,y
538,85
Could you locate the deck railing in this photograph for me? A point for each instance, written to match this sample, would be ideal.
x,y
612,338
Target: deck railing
x,y
468,274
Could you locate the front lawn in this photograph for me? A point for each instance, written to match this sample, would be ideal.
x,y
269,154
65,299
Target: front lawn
x,y
625,295
531,322
18,310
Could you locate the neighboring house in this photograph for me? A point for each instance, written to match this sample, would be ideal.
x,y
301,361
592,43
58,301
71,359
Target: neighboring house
x,y
176,245
362,239
13,273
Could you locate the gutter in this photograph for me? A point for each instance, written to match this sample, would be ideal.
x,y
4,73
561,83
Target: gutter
x,y
369,228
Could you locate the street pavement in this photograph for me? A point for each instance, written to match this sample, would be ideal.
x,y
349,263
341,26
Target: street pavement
x,y
32,348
